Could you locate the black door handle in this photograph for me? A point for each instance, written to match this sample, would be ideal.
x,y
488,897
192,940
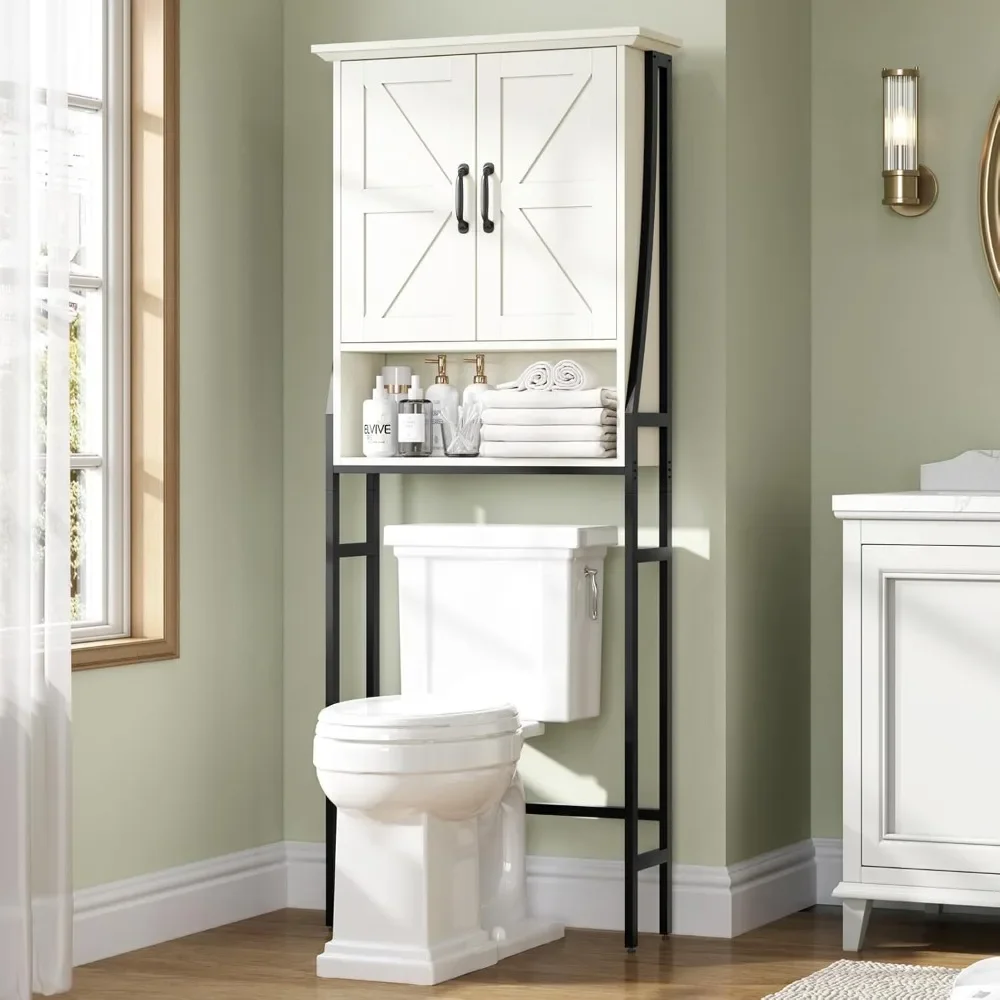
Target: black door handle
x,y
488,170
463,172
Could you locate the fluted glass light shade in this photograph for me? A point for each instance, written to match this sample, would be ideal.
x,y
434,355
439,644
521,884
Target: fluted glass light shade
x,y
900,162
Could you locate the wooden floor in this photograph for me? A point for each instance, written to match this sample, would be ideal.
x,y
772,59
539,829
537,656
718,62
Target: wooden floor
x,y
272,958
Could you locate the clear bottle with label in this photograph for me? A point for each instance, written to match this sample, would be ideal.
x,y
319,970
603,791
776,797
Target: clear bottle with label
x,y
378,417
444,397
414,422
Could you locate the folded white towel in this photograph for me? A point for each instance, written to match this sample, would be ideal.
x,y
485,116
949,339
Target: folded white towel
x,y
549,432
545,449
571,376
587,416
547,400
535,376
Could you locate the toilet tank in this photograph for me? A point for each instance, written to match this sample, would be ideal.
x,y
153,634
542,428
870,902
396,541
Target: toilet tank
x,y
508,612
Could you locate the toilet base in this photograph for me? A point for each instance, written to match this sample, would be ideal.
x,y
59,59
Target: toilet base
x,y
529,933
408,964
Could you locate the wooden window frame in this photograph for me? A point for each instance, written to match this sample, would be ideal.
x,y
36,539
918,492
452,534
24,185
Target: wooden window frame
x,y
153,346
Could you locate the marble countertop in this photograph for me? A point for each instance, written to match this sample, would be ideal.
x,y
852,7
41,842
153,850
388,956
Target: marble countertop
x,y
964,505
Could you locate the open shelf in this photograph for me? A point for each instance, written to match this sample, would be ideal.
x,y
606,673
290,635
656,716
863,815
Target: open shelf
x,y
354,379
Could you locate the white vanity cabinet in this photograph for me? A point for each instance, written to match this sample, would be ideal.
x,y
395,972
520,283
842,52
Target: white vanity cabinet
x,y
921,661
487,197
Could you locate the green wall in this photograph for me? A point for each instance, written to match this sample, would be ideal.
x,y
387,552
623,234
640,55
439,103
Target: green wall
x,y
181,760
767,425
906,343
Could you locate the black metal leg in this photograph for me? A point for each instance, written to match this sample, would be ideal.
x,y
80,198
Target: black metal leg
x,y
332,641
631,686
373,544
665,511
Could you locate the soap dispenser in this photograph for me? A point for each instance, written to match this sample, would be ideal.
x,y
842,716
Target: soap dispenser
x,y
478,385
413,423
444,398
378,415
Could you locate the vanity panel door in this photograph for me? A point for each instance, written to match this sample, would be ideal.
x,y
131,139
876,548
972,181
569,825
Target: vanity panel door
x,y
930,707
408,267
547,158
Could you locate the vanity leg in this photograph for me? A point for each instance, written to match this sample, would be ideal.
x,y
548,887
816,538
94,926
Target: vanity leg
x,y
856,914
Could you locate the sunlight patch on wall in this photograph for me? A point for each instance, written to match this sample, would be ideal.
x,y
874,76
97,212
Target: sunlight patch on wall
x,y
551,781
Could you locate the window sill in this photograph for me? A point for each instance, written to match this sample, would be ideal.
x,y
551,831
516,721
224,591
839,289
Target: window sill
x,y
120,652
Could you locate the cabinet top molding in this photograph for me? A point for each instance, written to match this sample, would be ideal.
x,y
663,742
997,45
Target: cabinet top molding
x,y
589,38
919,505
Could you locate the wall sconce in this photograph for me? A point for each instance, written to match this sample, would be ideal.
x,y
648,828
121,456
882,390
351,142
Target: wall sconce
x,y
910,188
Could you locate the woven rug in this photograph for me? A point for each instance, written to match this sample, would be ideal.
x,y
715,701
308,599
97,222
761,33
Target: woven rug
x,y
847,980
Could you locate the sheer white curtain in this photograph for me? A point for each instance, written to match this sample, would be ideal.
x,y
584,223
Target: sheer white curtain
x,y
36,905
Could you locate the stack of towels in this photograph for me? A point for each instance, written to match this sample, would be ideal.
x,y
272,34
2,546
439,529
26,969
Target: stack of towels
x,y
550,411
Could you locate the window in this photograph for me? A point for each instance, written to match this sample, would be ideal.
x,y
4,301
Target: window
x,y
98,116
124,107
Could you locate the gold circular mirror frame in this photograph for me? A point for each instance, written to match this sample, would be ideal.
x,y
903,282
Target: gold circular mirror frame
x,y
989,196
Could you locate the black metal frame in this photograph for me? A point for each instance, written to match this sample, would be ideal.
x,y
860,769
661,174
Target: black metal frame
x,y
657,145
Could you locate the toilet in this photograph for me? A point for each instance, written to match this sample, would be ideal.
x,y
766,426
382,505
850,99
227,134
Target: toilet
x,y
499,632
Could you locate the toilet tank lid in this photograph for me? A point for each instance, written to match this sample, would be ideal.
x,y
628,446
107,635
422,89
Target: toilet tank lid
x,y
501,536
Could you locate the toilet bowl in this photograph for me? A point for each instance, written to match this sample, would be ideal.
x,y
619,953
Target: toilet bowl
x,y
422,837
498,625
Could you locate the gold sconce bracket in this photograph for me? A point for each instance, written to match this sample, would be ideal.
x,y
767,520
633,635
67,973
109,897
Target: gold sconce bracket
x,y
926,192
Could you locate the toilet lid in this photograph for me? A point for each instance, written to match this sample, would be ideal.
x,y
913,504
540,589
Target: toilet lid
x,y
417,718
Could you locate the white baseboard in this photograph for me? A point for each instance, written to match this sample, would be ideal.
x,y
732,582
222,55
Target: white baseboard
x,y
306,875
707,901
583,892
829,869
771,886
119,917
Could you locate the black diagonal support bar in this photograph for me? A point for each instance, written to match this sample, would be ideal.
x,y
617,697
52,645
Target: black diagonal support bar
x,y
654,254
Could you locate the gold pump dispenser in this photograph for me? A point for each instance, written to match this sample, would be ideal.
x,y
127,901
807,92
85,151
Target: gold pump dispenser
x,y
480,362
442,373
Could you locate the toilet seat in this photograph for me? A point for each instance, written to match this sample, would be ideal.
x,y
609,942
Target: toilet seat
x,y
414,718
401,734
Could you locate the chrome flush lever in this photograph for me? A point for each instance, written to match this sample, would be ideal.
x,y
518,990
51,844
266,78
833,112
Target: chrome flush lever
x,y
594,593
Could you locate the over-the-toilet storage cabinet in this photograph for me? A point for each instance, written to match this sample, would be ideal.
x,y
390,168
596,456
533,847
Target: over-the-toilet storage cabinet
x,y
486,199
921,660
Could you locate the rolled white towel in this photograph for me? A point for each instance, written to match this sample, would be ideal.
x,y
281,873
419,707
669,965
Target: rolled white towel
x,y
535,376
549,432
585,416
603,397
545,449
570,375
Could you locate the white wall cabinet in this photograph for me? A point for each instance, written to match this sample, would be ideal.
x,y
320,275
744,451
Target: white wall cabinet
x,y
921,701
486,199
479,196
408,127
